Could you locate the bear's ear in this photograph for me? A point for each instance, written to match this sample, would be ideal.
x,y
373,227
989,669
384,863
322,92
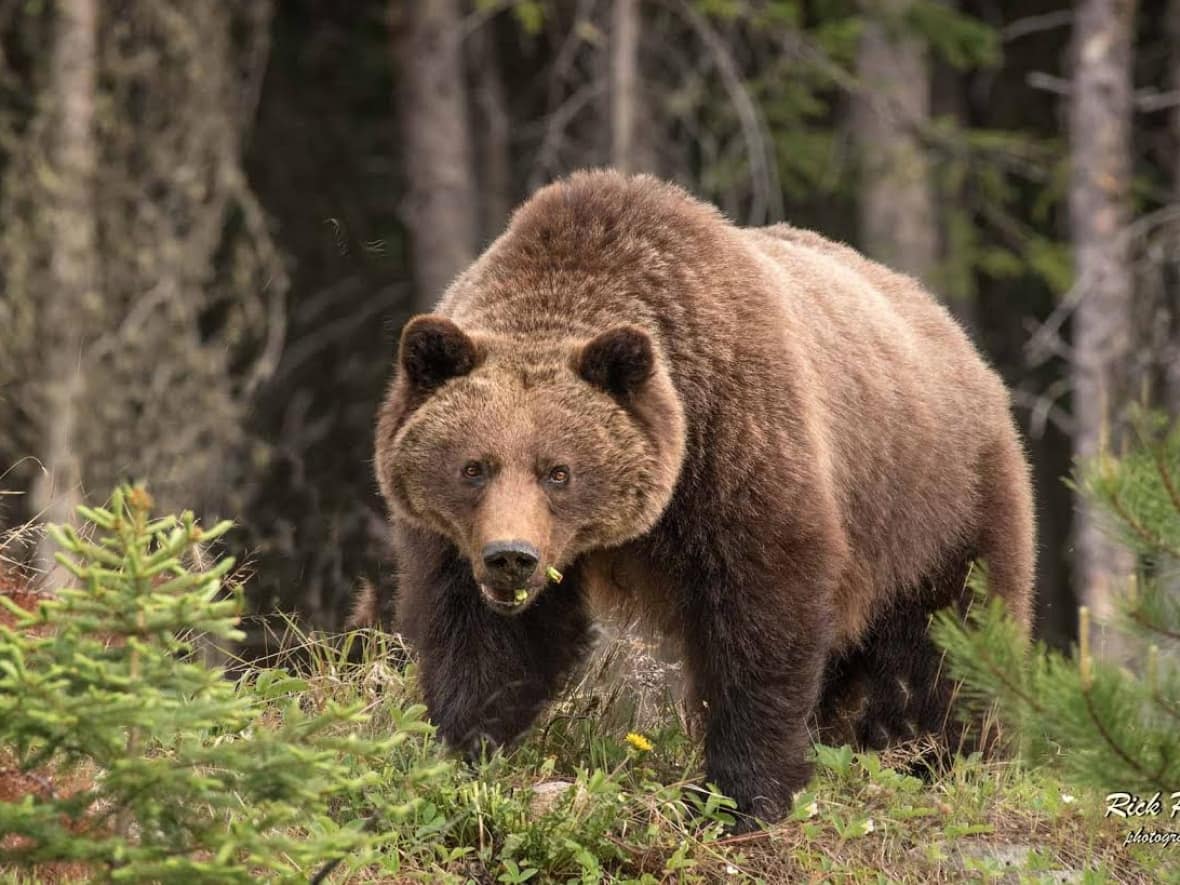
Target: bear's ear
x,y
434,350
618,360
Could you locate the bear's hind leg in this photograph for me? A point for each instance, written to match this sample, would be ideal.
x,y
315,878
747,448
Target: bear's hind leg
x,y
1007,533
892,688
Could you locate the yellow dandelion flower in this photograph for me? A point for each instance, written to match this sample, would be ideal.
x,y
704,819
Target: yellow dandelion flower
x,y
639,742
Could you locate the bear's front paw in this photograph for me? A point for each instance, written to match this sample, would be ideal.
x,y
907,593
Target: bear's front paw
x,y
761,797
478,734
471,744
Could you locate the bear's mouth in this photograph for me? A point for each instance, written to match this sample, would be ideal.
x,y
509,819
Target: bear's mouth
x,y
509,600
512,600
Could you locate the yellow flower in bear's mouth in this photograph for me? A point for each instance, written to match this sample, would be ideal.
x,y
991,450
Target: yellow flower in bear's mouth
x,y
639,742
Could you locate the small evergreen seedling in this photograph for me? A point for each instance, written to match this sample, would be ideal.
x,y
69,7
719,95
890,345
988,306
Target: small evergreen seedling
x,y
175,772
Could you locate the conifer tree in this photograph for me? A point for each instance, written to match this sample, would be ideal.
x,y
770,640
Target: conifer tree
x,y
184,774
1109,726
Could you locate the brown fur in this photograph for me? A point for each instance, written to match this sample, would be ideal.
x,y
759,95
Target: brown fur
x,y
782,454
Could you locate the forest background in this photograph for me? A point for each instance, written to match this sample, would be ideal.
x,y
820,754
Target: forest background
x,y
215,217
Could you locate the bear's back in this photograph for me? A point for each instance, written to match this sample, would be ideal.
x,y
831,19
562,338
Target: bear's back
x,y
874,326
907,404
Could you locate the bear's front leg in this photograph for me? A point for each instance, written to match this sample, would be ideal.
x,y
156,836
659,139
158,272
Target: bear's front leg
x,y
486,675
758,644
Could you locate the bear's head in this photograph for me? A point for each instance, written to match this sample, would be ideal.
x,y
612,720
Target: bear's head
x,y
528,452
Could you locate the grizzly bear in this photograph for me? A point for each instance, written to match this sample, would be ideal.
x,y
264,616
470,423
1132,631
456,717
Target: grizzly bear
x,y
778,453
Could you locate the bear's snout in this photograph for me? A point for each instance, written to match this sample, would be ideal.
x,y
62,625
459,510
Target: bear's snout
x,y
510,563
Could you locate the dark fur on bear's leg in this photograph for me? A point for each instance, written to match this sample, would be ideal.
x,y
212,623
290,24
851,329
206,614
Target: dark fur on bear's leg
x,y
756,658
485,676
893,687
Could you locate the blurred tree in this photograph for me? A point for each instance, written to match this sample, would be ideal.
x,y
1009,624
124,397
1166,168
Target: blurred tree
x,y
433,106
492,141
134,255
1172,366
325,159
624,83
891,111
1100,109
72,273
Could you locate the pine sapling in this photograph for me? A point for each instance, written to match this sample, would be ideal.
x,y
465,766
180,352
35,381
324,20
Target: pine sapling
x,y
177,773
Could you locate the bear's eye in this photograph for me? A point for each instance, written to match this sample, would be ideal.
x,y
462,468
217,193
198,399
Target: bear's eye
x,y
559,476
472,470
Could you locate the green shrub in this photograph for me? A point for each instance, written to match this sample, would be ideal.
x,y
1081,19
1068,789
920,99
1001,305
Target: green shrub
x,y
177,773
1102,724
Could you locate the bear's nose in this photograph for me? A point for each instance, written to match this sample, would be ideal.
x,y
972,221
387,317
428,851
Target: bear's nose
x,y
511,561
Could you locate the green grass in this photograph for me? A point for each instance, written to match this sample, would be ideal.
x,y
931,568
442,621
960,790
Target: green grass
x,y
609,809
596,791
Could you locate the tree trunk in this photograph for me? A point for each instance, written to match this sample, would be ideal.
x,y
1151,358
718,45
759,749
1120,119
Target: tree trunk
x,y
897,212
1172,366
624,83
492,142
73,269
1100,143
441,205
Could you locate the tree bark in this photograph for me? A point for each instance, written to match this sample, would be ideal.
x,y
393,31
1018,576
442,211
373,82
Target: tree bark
x,y
624,83
73,265
1103,331
1172,366
441,206
897,212
492,142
